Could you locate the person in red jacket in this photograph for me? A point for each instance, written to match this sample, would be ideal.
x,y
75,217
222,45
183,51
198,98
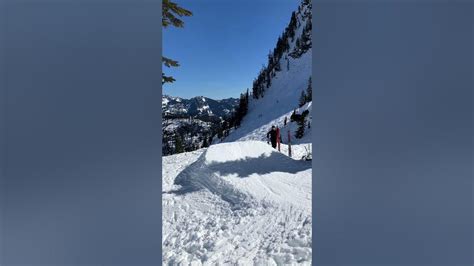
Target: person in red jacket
x,y
272,134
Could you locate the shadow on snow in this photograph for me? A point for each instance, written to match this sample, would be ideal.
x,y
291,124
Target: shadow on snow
x,y
200,175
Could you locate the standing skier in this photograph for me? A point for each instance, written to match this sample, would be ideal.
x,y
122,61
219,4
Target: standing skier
x,y
272,134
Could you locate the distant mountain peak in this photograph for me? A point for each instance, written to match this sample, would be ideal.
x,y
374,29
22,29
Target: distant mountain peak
x,y
197,106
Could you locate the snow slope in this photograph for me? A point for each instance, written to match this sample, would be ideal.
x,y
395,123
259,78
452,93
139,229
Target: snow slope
x,y
240,203
260,131
281,98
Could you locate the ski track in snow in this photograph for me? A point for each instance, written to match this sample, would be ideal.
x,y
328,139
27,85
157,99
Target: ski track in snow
x,y
219,212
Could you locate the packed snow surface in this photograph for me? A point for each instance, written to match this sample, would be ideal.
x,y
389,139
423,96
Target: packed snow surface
x,y
239,203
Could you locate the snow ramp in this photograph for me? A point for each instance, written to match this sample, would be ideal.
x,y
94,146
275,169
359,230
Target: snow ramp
x,y
247,173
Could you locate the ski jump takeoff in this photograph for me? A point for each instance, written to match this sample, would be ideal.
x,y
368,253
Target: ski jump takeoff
x,y
275,138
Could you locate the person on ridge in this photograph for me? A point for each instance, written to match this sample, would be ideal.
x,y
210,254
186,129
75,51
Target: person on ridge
x,y
272,134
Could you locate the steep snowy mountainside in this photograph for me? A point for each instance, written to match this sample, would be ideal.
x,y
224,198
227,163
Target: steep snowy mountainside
x,y
280,99
283,94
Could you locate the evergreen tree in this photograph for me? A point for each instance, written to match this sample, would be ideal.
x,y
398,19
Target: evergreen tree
x,y
302,99
270,60
178,144
241,110
247,100
220,132
171,12
292,26
277,66
301,128
293,115
309,91
306,43
254,89
269,80
205,142
301,125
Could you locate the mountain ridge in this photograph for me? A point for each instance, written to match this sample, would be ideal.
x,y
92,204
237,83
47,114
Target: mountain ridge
x,y
197,106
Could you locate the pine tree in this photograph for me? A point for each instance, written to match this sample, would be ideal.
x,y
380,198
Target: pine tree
x,y
178,144
306,43
247,101
269,80
205,142
270,60
293,115
309,91
302,124
168,63
286,46
302,99
292,26
301,127
220,132
171,12
241,110
277,66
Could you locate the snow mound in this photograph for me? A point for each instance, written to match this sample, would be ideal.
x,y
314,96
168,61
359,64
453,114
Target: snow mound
x,y
244,173
235,151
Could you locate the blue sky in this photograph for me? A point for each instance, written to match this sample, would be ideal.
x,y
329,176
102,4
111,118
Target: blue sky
x,y
223,45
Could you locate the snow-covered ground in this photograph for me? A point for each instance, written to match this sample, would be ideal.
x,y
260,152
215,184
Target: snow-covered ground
x,y
240,203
